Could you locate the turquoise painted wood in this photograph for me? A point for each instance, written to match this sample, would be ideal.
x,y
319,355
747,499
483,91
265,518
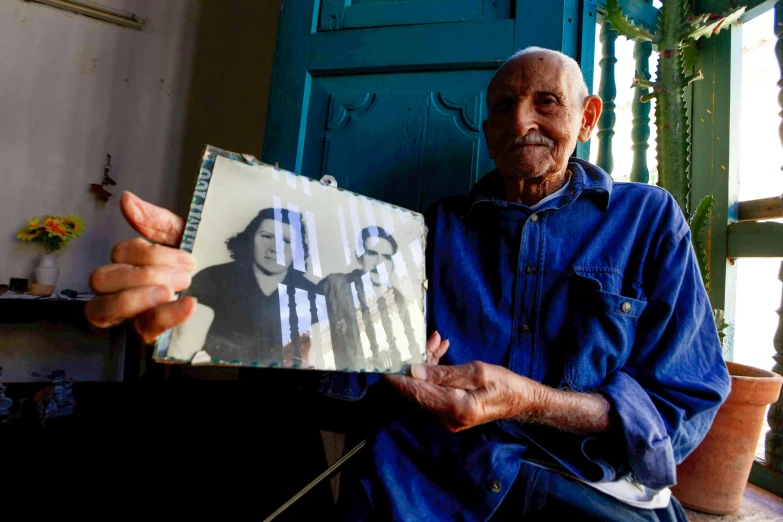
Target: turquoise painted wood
x,y
640,130
607,90
554,24
715,118
336,15
391,103
588,16
420,144
500,9
362,14
755,8
483,45
755,239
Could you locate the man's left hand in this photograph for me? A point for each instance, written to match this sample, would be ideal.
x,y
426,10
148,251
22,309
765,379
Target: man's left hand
x,y
467,395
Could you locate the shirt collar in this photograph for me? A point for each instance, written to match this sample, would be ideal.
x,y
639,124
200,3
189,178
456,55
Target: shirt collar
x,y
586,178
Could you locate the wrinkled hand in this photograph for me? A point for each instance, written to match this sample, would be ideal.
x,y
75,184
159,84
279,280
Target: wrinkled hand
x,y
143,277
467,395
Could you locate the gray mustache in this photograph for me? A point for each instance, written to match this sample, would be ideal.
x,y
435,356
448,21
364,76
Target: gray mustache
x,y
534,138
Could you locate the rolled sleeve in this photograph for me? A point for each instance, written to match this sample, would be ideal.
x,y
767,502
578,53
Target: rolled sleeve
x,y
651,456
669,391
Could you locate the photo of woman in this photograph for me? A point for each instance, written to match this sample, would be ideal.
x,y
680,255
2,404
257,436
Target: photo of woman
x,y
244,318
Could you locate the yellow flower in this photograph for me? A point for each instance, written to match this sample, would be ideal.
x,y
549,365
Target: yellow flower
x,y
56,228
53,231
74,223
28,233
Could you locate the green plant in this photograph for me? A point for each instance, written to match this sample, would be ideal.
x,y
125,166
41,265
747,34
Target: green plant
x,y
720,323
675,38
698,224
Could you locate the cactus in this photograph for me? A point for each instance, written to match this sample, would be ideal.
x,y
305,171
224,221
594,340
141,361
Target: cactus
x,y
698,224
675,38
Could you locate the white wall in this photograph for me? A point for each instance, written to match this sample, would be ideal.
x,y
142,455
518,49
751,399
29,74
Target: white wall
x,y
72,90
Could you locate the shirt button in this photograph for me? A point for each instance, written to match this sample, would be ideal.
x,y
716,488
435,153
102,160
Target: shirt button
x,y
530,269
625,307
525,328
495,486
572,193
534,218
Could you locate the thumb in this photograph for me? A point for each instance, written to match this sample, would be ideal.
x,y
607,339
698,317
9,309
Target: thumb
x,y
153,222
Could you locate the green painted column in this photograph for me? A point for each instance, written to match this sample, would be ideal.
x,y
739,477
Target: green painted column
x,y
607,91
640,130
715,124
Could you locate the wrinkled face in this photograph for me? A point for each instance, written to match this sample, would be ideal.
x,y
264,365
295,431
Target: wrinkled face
x,y
375,255
265,247
534,119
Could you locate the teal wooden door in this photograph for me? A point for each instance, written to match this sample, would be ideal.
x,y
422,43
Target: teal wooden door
x,y
387,96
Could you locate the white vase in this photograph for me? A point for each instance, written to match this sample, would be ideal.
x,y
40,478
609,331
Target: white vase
x,y
47,271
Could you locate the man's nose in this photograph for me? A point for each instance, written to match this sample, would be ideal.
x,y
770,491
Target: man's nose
x,y
525,118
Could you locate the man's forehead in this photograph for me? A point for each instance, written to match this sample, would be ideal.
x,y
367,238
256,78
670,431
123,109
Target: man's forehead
x,y
532,73
378,244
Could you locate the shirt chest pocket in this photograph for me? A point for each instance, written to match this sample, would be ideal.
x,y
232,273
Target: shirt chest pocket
x,y
603,326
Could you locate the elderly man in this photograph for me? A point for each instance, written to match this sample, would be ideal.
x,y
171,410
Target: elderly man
x,y
582,361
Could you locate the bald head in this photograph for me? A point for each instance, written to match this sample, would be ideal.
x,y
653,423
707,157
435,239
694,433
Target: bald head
x,y
538,108
570,72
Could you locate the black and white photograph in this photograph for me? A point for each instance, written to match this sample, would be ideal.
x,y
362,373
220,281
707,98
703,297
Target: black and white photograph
x,y
296,273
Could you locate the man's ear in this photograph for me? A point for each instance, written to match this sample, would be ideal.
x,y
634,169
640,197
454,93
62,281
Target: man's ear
x,y
591,111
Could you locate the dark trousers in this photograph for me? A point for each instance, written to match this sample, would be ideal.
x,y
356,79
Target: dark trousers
x,y
540,494
537,494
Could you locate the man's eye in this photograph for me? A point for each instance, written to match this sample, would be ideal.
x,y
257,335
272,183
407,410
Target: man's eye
x,y
548,100
502,106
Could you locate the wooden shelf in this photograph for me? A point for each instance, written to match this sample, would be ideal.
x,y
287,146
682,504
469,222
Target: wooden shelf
x,y
51,310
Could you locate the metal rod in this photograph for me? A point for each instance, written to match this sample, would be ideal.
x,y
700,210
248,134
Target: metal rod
x,y
317,480
93,11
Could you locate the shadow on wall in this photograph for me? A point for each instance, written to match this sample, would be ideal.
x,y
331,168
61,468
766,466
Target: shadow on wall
x,y
227,104
229,86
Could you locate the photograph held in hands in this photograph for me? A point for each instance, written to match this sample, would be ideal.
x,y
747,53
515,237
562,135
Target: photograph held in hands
x,y
295,273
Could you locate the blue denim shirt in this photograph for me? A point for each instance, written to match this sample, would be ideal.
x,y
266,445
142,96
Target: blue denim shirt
x,y
597,290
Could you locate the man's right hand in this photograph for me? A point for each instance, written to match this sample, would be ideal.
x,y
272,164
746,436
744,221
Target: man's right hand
x,y
145,273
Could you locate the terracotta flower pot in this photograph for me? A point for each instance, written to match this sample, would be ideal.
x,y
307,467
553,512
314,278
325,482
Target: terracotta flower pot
x,y
712,479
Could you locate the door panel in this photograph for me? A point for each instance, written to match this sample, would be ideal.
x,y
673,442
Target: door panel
x,y
388,96
408,139
411,12
351,14
470,45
